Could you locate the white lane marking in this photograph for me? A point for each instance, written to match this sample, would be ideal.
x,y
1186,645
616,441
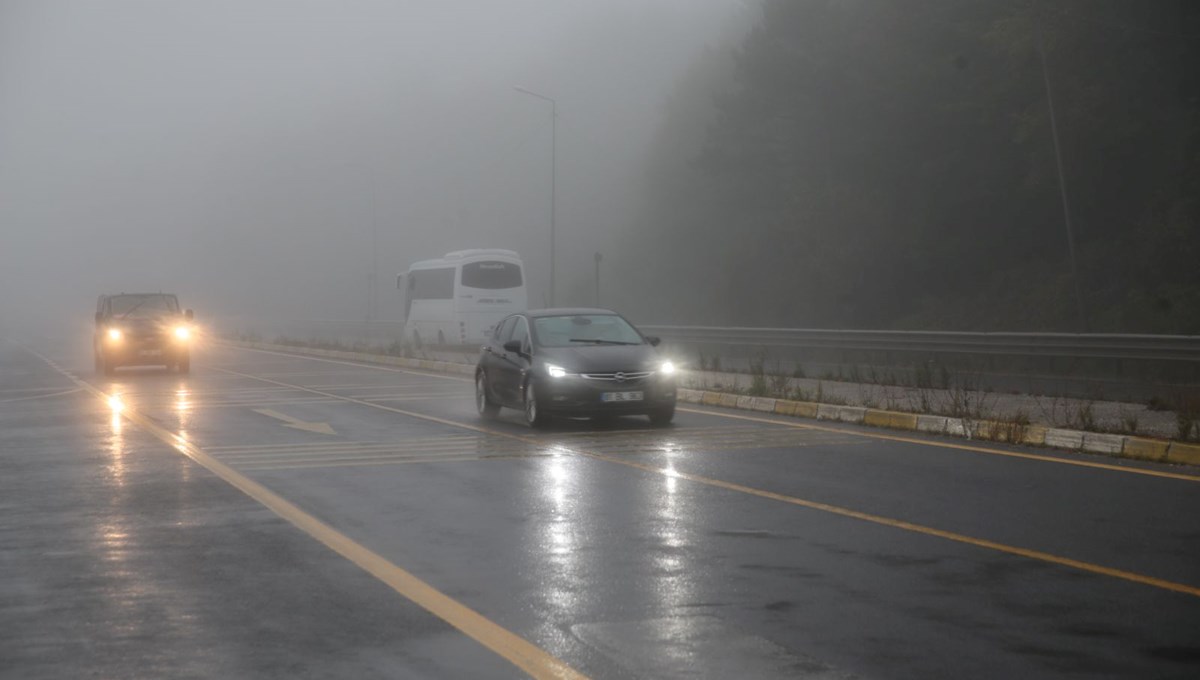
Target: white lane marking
x,y
379,367
41,396
296,423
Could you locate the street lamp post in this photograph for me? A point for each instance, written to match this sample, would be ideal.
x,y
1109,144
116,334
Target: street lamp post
x,y
553,174
373,276
598,258
373,295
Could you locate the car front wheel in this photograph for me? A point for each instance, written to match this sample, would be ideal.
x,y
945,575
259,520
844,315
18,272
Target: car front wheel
x,y
483,403
534,416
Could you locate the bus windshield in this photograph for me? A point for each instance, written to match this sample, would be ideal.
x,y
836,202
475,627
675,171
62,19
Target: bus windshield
x,y
491,275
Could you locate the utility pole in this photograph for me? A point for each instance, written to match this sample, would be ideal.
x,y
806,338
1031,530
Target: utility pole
x,y
373,299
553,175
1062,181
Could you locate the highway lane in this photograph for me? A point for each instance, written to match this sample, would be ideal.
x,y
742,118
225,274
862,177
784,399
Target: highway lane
x,y
719,547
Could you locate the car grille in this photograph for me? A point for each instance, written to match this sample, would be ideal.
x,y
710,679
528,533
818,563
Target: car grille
x,y
619,376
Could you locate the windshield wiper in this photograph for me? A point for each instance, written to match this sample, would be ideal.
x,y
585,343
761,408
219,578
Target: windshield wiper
x,y
604,342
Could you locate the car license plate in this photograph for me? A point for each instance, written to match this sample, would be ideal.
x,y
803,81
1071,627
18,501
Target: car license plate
x,y
150,353
621,396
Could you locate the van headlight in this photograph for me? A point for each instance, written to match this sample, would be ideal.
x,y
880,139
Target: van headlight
x,y
183,333
114,334
556,371
667,368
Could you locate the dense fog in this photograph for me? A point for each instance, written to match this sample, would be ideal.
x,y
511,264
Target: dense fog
x,y
1002,165
263,158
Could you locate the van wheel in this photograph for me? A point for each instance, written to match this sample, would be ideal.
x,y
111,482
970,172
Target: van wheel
x,y
416,339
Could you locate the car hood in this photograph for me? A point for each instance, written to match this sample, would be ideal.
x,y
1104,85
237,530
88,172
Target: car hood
x,y
602,358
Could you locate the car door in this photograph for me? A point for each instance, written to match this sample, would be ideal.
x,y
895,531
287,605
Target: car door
x,y
490,355
513,365
494,362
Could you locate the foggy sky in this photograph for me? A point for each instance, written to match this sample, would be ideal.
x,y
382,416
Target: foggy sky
x,y
229,151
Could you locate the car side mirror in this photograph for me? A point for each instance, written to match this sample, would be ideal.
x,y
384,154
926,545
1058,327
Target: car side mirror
x,y
188,314
654,340
513,346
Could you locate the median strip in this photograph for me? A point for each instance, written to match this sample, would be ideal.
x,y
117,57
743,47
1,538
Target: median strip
x,y
1076,441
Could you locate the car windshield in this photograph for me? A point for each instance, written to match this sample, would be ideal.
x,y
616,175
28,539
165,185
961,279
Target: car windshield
x,y
127,306
584,329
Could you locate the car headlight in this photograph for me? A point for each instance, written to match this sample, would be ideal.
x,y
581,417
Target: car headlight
x,y
114,334
667,368
182,333
555,371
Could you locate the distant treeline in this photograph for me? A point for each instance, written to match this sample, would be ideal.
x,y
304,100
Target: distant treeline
x,y
885,164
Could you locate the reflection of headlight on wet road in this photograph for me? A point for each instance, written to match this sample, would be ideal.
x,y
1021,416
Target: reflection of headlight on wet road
x,y
115,403
114,334
183,333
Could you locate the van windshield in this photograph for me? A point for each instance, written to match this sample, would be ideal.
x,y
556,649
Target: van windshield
x,y
124,306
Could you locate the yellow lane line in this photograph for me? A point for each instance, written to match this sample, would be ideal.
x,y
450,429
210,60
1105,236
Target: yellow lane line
x,y
917,528
951,445
521,653
792,500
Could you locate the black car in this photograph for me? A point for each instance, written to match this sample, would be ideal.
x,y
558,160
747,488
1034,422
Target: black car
x,y
573,362
139,329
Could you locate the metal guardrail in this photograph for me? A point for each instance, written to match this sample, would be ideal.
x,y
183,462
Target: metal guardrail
x,y
1184,348
1135,366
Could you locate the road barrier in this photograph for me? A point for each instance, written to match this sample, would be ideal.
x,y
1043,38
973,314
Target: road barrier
x,y
1185,348
1129,366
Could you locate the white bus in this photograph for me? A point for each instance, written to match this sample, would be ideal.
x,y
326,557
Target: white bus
x,y
459,298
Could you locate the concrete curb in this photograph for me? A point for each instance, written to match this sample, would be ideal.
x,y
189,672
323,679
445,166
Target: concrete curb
x,y
1115,445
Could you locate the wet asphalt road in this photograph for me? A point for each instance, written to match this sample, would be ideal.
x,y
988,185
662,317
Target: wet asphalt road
x,y
725,546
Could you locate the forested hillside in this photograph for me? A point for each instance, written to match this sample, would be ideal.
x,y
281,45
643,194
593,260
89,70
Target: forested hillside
x,y
886,164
